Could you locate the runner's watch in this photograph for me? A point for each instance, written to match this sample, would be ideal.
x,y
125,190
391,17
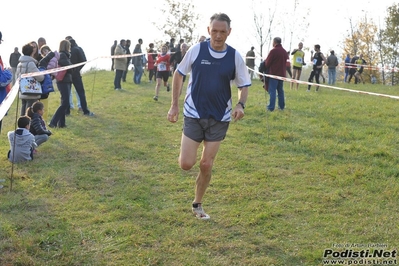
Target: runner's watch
x,y
242,104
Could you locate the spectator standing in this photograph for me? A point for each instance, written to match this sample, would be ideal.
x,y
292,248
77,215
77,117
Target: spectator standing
x,y
352,69
359,69
35,53
40,42
332,63
275,63
64,86
127,49
202,39
250,61
14,59
151,58
298,61
113,53
347,66
138,62
28,64
171,44
78,56
5,80
119,64
319,61
208,107
178,46
177,57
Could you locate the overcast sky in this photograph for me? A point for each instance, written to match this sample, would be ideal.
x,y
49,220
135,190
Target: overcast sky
x,y
95,26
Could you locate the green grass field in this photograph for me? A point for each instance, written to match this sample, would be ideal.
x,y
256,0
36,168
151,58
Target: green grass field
x,y
107,190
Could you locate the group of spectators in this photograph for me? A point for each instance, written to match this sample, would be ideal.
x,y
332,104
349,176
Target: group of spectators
x,y
160,65
37,56
278,60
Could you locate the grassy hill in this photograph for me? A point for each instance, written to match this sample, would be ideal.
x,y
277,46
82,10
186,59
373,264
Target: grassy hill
x,y
107,190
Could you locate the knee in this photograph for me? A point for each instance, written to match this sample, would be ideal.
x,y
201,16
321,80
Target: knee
x,y
206,165
186,164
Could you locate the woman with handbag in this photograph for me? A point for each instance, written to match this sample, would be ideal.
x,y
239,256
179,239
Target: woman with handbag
x,y
27,64
64,85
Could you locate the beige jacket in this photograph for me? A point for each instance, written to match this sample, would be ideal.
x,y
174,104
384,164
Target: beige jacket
x,y
120,63
27,64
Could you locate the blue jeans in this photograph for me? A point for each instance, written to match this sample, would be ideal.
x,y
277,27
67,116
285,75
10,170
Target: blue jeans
x,y
80,90
71,100
138,73
332,73
276,86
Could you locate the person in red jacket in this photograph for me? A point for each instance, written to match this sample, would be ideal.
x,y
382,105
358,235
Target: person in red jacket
x,y
275,63
151,58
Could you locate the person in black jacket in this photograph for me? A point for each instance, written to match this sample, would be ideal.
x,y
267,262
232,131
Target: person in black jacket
x,y
64,85
127,48
352,69
37,124
78,56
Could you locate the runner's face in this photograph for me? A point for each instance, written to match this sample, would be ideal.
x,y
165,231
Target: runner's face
x,y
219,31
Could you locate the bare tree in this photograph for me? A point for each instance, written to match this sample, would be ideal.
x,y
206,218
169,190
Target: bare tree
x,y
297,27
180,20
262,31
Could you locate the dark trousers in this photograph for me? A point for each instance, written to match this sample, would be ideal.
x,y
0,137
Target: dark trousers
x,y
59,115
118,77
125,72
151,74
314,74
78,84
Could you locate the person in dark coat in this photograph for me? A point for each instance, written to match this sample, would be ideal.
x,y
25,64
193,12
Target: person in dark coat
x,y
64,86
352,69
78,56
112,53
14,60
127,49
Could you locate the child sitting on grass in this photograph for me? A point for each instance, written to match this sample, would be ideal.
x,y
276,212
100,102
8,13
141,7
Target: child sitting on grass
x,y
22,142
37,125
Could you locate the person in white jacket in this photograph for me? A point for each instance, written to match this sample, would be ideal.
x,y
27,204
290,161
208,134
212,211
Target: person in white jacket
x,y
27,64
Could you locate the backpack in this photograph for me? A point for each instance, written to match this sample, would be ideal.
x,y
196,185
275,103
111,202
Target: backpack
x,y
47,84
262,69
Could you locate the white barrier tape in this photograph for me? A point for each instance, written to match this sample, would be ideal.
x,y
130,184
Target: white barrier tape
x,y
7,102
349,65
328,86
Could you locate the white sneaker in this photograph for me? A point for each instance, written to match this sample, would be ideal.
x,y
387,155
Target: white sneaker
x,y
199,213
